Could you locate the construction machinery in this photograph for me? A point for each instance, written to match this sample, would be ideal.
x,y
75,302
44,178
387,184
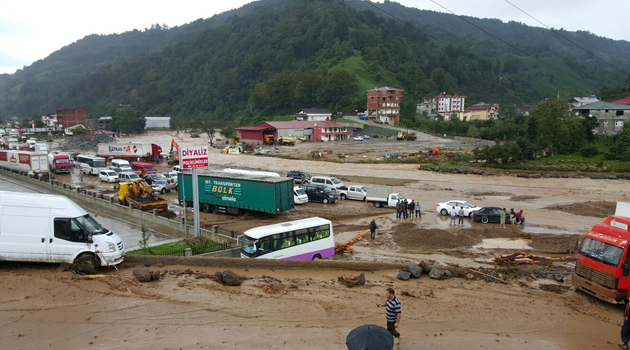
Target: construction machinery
x,y
140,195
287,141
411,136
173,156
345,247
269,139
401,136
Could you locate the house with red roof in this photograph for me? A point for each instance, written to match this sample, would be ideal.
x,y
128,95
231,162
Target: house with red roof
x,y
623,101
309,130
384,103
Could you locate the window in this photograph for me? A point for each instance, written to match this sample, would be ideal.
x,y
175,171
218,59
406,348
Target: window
x,y
283,240
619,123
619,113
600,251
68,230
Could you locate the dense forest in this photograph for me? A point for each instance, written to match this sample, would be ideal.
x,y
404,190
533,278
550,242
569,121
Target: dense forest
x,y
274,57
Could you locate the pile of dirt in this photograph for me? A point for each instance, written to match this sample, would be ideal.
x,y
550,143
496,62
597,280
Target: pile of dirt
x,y
411,238
86,142
554,243
598,209
523,198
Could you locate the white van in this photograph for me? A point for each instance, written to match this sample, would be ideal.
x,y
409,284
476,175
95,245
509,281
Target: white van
x,y
327,181
49,228
299,196
120,165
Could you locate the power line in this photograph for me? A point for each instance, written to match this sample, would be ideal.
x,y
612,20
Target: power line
x,y
514,47
567,39
406,23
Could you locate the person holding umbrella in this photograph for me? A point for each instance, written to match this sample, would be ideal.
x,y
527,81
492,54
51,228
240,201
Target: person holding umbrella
x,y
393,313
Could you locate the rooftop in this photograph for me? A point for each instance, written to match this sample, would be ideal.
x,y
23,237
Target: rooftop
x,y
315,111
602,105
385,88
623,101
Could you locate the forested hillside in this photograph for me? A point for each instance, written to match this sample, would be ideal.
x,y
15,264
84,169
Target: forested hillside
x,y
276,56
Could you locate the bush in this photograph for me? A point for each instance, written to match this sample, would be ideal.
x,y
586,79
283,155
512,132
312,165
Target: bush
x,y
194,136
589,151
500,153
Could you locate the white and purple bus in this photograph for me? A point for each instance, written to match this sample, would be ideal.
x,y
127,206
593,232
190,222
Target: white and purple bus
x,y
307,239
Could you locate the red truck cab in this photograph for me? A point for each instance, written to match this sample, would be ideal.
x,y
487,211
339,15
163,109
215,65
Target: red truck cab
x,y
143,168
603,262
59,163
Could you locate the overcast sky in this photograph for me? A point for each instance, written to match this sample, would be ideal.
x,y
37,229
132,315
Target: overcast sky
x,y
32,30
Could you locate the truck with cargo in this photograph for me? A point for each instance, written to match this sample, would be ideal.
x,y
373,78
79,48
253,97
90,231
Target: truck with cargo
x,y
50,228
28,162
383,196
144,151
59,163
602,268
232,193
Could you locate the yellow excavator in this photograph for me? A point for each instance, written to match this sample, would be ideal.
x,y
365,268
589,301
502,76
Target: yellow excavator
x,y
140,195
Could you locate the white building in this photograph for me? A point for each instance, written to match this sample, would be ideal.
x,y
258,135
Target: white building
x,y
158,123
313,114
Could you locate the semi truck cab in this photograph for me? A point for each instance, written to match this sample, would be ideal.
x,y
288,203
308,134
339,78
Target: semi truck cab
x,y
603,262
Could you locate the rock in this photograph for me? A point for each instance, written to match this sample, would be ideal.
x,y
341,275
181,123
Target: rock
x,y
403,275
293,286
559,278
142,275
448,274
436,273
361,278
415,270
426,268
155,275
470,276
229,278
218,274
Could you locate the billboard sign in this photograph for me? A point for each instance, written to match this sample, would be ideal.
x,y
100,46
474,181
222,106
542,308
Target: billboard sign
x,y
194,157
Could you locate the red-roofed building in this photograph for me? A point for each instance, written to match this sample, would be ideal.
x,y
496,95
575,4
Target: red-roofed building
x,y
384,103
623,101
448,106
310,130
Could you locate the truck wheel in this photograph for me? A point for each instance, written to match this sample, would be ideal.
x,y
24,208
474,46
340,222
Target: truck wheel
x,y
206,208
343,196
163,191
317,257
377,204
85,264
325,201
484,219
443,212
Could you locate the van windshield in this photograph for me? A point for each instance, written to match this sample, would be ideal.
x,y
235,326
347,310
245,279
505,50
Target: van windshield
x,y
62,161
602,252
300,191
90,225
146,168
335,181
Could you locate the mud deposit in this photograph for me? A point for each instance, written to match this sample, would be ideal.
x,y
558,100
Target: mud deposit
x,y
598,209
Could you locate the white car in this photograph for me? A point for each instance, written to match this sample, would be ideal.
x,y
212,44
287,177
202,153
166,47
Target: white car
x,y
446,207
358,138
108,176
164,185
365,137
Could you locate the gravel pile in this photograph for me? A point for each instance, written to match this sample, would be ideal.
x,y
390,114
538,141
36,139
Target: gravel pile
x,y
86,142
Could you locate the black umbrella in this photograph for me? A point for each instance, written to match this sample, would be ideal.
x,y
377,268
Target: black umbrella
x,y
369,337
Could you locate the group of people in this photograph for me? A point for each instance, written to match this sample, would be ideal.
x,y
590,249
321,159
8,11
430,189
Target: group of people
x,y
512,217
405,209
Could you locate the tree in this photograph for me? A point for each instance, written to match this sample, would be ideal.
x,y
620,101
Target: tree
x,y
129,121
207,123
620,150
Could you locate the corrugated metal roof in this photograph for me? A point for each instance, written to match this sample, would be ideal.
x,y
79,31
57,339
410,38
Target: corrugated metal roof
x,y
385,88
315,111
299,124
603,105
623,101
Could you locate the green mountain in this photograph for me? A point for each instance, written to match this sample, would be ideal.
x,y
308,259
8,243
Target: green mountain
x,y
276,56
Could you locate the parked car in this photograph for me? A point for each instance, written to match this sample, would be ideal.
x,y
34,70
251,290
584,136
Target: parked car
x,y
299,196
363,117
327,181
108,176
446,207
128,176
358,138
356,192
378,121
298,175
320,193
151,178
366,137
163,185
487,214
120,165
170,174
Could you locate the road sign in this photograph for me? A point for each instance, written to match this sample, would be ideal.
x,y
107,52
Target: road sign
x,y
194,157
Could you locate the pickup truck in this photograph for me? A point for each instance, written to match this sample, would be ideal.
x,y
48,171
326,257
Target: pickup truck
x,y
356,192
383,197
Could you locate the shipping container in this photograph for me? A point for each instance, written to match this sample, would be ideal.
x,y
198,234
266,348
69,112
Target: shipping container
x,y
221,192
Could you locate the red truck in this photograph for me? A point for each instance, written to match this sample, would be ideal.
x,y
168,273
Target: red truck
x,y
603,262
59,163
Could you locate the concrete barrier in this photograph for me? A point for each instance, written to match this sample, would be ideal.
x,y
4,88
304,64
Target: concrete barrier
x,y
112,208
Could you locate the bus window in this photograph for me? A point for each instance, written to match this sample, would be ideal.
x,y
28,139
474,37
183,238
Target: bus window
x,y
264,245
301,236
283,240
322,232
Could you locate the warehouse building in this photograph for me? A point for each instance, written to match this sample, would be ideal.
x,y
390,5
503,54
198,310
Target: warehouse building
x,y
319,131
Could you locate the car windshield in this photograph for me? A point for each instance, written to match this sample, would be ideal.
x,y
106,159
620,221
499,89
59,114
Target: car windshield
x,y
300,191
99,164
134,176
62,161
328,190
161,182
90,225
401,198
111,173
600,251
249,245
335,181
470,205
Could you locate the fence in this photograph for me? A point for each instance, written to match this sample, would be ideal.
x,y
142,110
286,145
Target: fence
x,y
202,248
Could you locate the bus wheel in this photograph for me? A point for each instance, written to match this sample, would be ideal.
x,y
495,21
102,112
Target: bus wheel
x,y
317,257
206,208
85,264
